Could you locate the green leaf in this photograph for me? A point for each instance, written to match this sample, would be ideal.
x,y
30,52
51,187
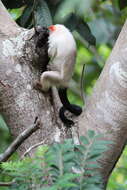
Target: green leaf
x,y
42,150
95,154
74,22
3,125
16,3
16,13
71,21
65,180
94,179
81,149
92,187
92,165
105,142
91,134
68,157
66,8
84,30
122,4
78,7
84,140
42,14
49,188
26,15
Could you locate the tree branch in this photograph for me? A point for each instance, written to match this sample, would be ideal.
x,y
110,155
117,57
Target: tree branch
x,y
7,184
9,27
19,100
18,141
31,148
106,109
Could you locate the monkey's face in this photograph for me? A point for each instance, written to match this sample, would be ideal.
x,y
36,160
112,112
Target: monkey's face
x,y
52,28
57,29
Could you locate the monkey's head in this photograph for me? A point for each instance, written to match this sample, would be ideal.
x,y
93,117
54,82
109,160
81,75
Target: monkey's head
x,y
58,28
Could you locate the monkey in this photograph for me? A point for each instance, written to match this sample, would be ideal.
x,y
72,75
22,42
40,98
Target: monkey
x,y
62,53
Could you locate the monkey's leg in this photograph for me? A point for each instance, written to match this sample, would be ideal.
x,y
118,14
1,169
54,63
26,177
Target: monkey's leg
x,y
50,78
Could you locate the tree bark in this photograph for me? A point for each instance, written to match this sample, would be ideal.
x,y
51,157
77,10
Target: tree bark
x,y
20,103
105,110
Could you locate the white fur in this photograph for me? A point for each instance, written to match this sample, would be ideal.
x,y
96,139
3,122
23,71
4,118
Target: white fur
x,y
62,52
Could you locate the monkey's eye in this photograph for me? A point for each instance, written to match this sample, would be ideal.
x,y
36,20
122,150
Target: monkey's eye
x,y
52,28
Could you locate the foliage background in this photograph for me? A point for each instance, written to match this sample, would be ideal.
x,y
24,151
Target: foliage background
x,y
105,19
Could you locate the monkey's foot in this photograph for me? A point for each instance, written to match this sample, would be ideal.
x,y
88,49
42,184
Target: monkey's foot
x,y
37,86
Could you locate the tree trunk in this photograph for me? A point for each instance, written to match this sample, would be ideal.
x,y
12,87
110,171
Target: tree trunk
x,y
106,109
20,103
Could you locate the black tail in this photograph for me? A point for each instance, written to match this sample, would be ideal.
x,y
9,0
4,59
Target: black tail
x,y
76,110
63,118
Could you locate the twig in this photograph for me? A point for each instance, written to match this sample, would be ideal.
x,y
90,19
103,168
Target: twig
x,y
33,15
82,84
19,140
92,49
7,184
32,147
2,84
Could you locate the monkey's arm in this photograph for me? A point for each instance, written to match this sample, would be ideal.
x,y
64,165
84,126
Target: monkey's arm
x,y
51,78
